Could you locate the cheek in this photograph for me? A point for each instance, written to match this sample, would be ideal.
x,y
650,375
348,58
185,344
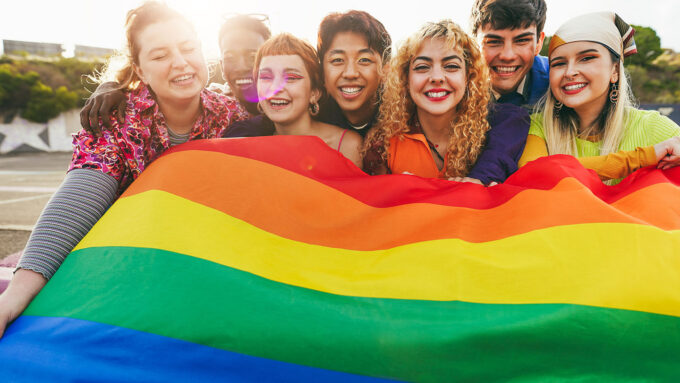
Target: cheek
x,y
261,89
489,53
330,74
152,71
414,84
527,53
372,77
554,78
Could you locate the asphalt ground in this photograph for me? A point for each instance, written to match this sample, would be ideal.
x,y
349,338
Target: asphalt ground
x,y
27,181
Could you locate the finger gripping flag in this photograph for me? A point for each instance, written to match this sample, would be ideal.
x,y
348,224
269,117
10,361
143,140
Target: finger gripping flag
x,y
275,259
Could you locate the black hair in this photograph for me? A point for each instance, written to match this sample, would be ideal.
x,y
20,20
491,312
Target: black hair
x,y
244,22
508,14
359,22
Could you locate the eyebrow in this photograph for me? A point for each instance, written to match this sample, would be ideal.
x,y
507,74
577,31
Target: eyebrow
x,y
342,51
296,70
525,34
154,50
578,54
447,58
499,37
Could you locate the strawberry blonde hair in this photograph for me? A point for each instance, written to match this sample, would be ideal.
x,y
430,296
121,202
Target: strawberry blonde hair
x,y
467,132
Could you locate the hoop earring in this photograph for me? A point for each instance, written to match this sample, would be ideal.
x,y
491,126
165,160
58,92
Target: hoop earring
x,y
313,108
259,108
557,108
614,93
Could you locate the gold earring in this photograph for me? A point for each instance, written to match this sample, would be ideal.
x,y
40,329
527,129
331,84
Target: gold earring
x,y
614,93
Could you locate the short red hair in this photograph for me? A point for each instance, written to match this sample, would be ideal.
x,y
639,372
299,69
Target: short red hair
x,y
287,44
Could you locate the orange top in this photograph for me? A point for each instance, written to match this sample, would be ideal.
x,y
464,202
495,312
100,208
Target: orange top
x,y
412,154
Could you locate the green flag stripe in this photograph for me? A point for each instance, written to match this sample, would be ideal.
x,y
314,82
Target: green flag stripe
x,y
403,339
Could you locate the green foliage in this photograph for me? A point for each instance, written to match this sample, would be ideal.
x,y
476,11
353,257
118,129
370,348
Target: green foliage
x,y
648,45
546,42
45,103
40,90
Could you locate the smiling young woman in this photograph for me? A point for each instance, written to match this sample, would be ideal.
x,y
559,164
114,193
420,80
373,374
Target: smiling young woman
x,y
436,119
589,112
163,79
289,88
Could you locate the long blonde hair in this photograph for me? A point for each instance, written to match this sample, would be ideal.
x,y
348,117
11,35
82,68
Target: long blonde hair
x,y
468,129
561,127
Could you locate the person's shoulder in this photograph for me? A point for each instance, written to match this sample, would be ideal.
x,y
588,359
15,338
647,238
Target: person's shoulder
x,y
542,63
219,98
652,121
536,125
499,112
253,127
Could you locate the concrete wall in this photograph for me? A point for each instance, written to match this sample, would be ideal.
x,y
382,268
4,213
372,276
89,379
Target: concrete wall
x,y
26,136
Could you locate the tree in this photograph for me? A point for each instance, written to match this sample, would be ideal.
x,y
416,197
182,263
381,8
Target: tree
x,y
546,42
648,46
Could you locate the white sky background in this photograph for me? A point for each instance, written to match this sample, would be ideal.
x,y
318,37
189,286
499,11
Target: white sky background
x,y
100,23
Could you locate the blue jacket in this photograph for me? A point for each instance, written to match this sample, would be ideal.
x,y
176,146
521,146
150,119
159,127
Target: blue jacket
x,y
539,80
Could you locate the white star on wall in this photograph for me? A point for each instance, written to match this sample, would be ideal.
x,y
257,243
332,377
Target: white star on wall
x,y
22,132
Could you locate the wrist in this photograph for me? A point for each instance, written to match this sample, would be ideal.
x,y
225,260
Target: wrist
x,y
24,286
660,150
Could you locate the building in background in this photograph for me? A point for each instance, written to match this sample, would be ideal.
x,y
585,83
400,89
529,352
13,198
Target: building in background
x,y
32,48
85,51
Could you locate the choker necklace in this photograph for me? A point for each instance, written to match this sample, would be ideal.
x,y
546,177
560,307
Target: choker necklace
x,y
358,127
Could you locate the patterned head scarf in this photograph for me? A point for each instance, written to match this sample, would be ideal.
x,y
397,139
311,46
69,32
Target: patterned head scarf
x,y
606,28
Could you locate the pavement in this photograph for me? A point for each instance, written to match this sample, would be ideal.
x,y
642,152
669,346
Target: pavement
x,y
27,181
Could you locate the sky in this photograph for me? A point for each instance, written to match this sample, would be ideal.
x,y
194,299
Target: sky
x,y
100,23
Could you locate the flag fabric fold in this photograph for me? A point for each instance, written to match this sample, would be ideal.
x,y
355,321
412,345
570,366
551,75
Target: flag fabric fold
x,y
275,259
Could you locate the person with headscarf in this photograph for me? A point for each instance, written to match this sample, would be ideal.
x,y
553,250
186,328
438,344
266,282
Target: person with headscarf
x,y
589,111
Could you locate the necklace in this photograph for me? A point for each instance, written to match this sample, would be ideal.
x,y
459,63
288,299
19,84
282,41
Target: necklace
x,y
358,127
432,145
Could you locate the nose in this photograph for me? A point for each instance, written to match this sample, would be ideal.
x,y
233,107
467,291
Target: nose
x,y
242,63
572,70
507,53
350,70
272,88
437,75
178,60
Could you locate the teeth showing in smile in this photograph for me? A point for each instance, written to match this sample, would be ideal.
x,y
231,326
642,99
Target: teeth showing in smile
x,y
435,94
506,69
350,90
278,102
574,87
243,81
183,78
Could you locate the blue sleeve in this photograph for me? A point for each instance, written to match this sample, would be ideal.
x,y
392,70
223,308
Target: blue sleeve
x,y
509,126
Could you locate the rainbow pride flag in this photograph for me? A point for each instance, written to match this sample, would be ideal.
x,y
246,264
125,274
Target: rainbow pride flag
x,y
275,259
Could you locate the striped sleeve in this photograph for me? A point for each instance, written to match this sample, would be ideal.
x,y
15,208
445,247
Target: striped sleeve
x,y
80,201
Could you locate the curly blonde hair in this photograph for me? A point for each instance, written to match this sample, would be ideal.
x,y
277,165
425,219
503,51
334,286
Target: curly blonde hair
x,y
397,110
